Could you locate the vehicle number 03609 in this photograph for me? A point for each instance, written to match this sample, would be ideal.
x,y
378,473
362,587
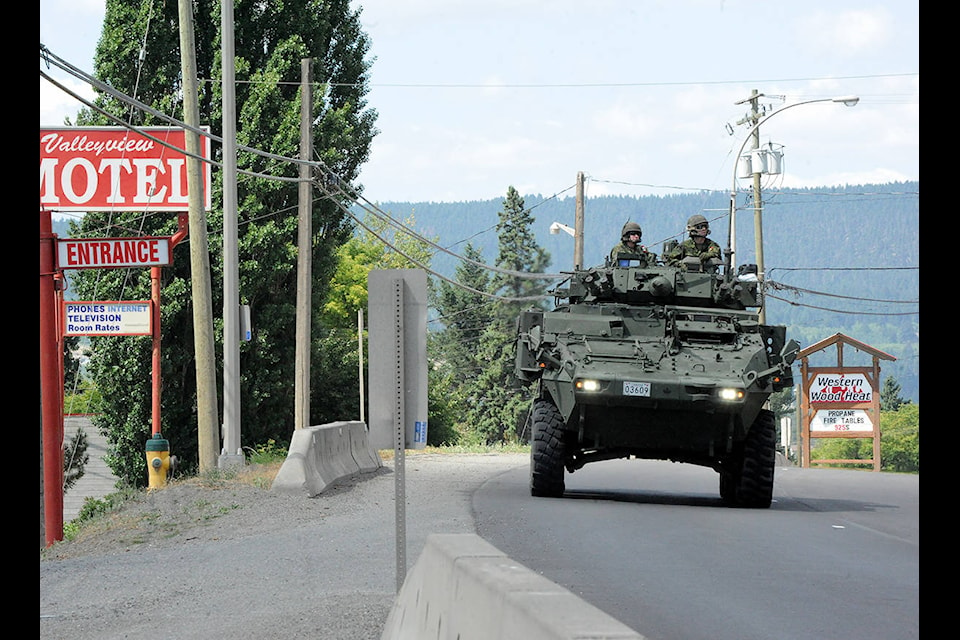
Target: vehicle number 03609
x,y
636,388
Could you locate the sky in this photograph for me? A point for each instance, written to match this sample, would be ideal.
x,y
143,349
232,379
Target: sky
x,y
475,96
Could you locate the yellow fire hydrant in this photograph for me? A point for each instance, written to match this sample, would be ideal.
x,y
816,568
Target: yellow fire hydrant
x,y
158,461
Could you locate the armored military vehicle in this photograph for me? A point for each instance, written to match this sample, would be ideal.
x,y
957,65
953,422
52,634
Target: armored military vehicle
x,y
651,361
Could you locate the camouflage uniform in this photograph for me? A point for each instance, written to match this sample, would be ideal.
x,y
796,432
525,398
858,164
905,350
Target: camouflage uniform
x,y
689,249
638,249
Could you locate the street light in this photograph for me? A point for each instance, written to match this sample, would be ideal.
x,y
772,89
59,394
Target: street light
x,y
576,231
848,101
557,227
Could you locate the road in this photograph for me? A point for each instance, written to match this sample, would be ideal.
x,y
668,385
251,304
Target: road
x,y
836,556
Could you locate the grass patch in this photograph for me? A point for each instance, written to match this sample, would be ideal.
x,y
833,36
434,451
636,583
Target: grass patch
x,y
387,454
95,509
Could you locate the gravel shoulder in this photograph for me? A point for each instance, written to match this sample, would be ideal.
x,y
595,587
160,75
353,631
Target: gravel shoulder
x,y
231,559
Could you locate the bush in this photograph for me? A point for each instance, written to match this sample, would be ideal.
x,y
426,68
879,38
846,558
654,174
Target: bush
x,y
899,443
268,453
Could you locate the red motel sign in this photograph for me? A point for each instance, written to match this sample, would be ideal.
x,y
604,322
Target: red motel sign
x,y
116,169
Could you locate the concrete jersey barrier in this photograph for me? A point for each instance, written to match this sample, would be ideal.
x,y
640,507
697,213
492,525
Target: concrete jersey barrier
x,y
463,588
320,456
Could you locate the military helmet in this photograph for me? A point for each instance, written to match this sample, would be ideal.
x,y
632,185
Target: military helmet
x,y
695,221
630,227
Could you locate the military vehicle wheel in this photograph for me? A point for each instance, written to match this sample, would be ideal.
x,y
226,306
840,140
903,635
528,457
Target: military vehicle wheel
x,y
755,486
728,487
546,451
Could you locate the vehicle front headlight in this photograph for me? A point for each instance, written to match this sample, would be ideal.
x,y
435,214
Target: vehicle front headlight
x,y
731,394
587,385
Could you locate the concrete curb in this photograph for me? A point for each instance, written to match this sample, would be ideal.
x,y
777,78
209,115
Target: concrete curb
x,y
463,588
323,455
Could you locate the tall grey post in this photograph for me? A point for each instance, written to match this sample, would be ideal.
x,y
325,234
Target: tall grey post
x,y
397,309
398,356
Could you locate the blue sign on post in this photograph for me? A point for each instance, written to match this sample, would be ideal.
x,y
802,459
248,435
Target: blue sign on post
x,y
420,432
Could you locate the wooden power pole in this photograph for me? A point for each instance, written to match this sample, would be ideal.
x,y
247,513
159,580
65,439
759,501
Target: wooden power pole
x,y
578,226
207,429
301,413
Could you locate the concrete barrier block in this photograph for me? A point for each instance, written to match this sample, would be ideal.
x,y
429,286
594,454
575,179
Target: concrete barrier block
x,y
331,444
300,472
366,457
463,588
320,456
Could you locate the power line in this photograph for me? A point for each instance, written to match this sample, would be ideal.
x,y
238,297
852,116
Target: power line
x,y
325,182
844,269
859,313
779,286
589,85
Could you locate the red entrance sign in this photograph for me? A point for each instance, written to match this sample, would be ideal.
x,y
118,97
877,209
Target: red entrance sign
x,y
115,169
90,253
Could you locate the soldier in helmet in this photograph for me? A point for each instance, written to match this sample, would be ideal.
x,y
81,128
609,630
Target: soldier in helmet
x,y
630,243
698,245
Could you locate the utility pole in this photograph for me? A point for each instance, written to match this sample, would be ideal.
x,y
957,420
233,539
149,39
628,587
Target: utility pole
x,y
231,455
301,414
752,119
51,390
207,436
578,226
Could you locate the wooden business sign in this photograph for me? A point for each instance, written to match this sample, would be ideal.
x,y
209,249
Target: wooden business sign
x,y
116,169
840,401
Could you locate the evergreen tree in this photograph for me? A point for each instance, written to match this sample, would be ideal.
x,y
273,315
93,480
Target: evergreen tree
x,y
498,413
71,363
75,459
270,41
518,252
890,398
464,312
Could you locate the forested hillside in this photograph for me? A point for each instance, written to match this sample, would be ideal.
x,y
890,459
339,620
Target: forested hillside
x,y
843,260
839,260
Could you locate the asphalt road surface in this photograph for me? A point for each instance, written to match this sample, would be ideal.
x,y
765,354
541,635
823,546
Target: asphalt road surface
x,y
836,556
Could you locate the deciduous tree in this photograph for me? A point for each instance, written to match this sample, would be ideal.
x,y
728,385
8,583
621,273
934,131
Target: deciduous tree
x,y
139,55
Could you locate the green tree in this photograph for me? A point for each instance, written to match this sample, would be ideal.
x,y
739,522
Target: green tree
x,y
271,39
378,244
464,310
900,441
890,398
382,244
71,363
519,253
500,403
842,449
75,459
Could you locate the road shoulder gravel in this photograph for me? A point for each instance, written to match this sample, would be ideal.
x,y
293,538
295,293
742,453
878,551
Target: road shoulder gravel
x,y
201,560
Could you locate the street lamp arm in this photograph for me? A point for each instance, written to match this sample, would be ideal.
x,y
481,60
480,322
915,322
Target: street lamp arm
x,y
845,100
731,239
557,227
